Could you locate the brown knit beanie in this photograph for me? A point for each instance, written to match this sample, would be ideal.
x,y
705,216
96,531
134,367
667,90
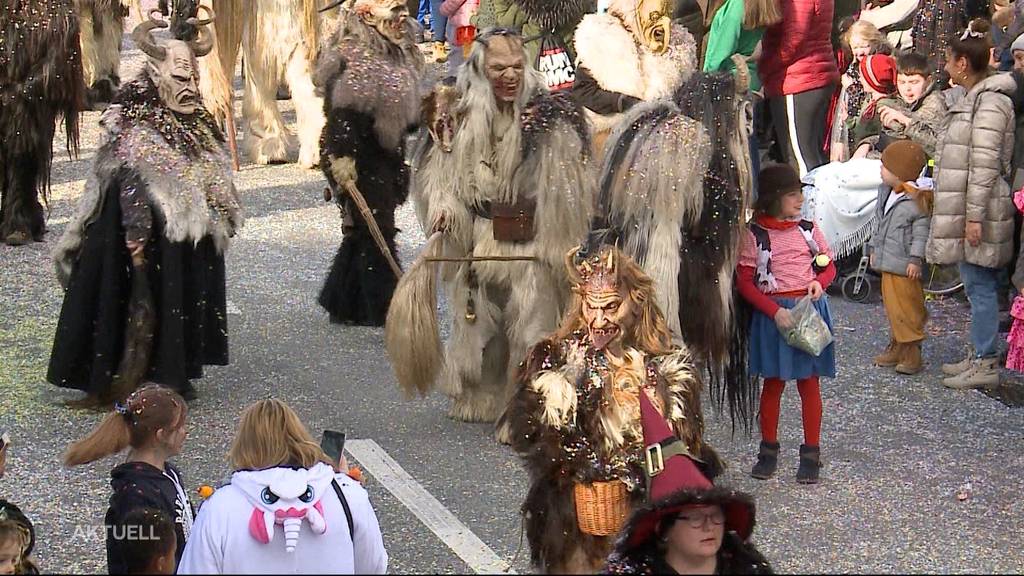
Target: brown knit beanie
x,y
905,159
774,182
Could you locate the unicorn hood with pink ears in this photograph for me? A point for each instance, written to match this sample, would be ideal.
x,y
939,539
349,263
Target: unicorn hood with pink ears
x,y
286,497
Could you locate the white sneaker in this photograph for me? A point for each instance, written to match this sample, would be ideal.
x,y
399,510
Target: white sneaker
x,y
982,373
958,367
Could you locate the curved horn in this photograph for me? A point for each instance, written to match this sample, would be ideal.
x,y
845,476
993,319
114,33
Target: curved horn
x,y
143,37
206,21
334,4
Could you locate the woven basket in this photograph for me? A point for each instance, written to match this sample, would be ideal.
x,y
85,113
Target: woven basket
x,y
601,507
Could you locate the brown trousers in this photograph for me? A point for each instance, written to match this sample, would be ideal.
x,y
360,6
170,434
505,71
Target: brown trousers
x,y
904,305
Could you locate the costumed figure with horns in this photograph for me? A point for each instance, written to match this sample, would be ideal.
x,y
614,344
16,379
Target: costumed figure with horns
x,y
503,189
369,76
142,260
687,525
40,83
630,54
674,184
575,418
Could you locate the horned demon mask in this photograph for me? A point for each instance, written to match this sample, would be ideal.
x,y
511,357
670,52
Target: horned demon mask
x,y
649,20
608,308
285,497
388,17
172,64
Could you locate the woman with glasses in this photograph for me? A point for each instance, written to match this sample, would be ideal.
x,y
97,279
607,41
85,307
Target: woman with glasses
x,y
688,526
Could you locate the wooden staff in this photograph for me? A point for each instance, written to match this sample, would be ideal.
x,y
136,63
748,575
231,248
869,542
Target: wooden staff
x,y
481,259
371,223
229,120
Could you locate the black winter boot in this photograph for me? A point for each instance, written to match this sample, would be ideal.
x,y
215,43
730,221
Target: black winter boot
x,y
767,460
810,464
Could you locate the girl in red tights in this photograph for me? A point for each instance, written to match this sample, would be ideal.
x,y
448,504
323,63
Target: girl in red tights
x,y
783,259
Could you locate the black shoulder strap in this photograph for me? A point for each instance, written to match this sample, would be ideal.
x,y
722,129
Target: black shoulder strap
x,y
348,511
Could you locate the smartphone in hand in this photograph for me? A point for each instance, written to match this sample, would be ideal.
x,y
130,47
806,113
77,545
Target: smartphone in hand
x,y
333,443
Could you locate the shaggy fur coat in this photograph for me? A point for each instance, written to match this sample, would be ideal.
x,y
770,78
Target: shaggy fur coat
x,y
40,84
575,419
371,101
500,309
164,180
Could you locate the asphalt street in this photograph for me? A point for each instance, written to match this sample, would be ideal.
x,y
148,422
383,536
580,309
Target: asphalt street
x,y
917,478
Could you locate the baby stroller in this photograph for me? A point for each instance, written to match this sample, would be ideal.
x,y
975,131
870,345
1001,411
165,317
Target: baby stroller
x,y
841,198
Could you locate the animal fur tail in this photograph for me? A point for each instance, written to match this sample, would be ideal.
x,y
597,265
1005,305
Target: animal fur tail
x,y
217,69
411,333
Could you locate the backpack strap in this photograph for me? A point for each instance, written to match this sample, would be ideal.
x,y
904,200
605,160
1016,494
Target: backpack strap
x,y
348,511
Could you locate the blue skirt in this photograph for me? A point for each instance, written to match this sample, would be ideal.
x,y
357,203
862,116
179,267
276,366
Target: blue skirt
x,y
772,357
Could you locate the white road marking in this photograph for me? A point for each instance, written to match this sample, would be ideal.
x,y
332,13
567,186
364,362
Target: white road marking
x,y
456,535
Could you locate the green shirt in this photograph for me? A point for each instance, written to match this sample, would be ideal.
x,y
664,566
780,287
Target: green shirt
x,y
728,37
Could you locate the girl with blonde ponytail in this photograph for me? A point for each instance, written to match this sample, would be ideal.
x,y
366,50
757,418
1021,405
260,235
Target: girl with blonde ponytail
x,y
151,425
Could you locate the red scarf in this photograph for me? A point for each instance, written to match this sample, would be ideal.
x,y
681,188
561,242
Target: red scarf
x,y
771,223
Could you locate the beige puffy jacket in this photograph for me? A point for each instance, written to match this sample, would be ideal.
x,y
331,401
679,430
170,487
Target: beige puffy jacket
x,y
971,171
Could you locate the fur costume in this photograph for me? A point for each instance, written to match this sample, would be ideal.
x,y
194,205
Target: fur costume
x,y
688,242
575,419
279,41
371,101
555,14
161,182
619,66
535,150
40,83
102,26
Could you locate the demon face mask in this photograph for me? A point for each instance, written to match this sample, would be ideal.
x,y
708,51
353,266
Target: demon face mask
x,y
505,67
608,308
649,20
388,17
172,66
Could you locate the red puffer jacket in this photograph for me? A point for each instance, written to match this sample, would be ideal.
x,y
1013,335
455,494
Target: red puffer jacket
x,y
797,52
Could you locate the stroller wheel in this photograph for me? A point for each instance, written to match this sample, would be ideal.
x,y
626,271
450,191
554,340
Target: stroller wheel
x,y
855,293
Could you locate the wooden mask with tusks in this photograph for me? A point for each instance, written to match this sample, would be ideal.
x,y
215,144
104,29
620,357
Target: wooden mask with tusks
x,y
649,20
172,64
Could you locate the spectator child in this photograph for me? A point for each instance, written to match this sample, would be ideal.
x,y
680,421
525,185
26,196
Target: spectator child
x,y
918,114
154,550
461,31
878,78
151,423
14,545
863,40
897,251
783,259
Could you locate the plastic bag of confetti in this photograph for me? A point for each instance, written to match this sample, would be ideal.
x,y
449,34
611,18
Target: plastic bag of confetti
x,y
809,332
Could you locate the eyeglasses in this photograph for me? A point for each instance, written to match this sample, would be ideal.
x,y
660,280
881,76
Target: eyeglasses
x,y
696,519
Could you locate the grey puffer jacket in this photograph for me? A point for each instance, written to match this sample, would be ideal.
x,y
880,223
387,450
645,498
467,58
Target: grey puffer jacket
x,y
901,235
971,172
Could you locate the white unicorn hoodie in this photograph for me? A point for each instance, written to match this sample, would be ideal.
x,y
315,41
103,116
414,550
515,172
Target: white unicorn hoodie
x,y
287,521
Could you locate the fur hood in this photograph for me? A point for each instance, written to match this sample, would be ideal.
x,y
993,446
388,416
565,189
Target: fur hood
x,y
362,71
556,14
613,57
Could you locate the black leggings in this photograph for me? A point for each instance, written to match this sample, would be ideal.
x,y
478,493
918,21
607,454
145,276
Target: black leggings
x,y
801,117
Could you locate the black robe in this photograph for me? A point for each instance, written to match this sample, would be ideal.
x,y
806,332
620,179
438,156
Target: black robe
x,y
360,283
187,286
